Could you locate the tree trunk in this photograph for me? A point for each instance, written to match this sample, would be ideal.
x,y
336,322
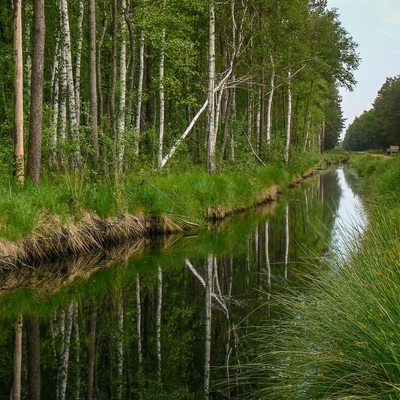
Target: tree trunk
x,y
212,134
122,96
289,117
17,360
36,111
18,94
74,127
78,62
32,327
287,245
162,99
139,95
93,110
270,102
120,345
139,321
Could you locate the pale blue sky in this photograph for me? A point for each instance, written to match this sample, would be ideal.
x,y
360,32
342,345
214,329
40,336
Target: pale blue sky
x,y
375,26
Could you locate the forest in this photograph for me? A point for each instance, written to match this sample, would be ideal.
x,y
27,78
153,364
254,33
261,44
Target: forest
x,y
115,86
377,128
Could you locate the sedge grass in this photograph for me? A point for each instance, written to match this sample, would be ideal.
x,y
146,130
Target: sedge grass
x,y
340,338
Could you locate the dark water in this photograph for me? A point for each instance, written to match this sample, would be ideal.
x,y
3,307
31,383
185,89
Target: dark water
x,y
168,319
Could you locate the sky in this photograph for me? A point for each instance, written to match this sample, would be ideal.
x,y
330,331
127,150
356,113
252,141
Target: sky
x,y
375,26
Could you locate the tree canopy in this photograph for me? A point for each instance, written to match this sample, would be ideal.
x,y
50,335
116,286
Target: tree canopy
x,y
125,85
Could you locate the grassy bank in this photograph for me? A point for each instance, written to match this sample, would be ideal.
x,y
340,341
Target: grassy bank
x,y
341,338
73,214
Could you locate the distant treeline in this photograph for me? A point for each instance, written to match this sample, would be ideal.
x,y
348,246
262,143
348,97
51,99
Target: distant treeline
x,y
379,127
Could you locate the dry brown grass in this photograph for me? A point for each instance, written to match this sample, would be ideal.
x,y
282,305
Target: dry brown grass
x,y
91,234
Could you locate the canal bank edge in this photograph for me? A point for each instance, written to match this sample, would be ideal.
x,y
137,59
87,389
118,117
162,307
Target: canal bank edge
x,y
94,233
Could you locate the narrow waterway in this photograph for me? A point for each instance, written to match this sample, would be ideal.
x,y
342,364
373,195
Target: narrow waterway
x,y
168,319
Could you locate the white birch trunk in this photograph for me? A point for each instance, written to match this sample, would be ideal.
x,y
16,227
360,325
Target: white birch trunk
x,y
212,134
162,100
270,101
63,104
122,96
78,62
74,127
140,95
55,85
159,313
289,117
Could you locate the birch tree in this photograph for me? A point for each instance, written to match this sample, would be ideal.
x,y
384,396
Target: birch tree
x,y
212,133
93,108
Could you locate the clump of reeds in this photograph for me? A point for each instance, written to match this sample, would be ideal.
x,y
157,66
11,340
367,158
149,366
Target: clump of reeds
x,y
339,339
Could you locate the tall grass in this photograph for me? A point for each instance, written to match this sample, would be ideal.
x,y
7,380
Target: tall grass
x,y
340,338
66,199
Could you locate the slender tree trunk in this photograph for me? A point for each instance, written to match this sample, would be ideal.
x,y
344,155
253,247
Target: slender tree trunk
x,y
322,138
77,352
132,59
139,95
212,134
32,327
18,94
36,111
270,102
63,106
74,127
93,110
122,96
78,62
162,99
55,85
17,361
289,117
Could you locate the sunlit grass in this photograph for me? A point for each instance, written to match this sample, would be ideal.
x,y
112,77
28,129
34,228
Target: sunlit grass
x,y
193,195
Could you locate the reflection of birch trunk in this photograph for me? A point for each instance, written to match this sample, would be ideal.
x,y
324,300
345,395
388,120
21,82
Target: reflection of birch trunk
x,y
159,309
207,348
64,361
91,352
17,360
139,321
267,261
287,240
259,261
77,353
120,346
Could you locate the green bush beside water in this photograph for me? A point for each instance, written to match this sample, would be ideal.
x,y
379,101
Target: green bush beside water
x,y
340,339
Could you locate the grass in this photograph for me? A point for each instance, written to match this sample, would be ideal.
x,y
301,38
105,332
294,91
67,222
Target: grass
x,y
66,200
340,338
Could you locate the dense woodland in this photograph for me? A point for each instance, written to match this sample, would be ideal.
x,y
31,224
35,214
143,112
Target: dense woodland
x,y
377,128
116,85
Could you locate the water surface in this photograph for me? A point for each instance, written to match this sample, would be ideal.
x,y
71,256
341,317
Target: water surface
x,y
167,319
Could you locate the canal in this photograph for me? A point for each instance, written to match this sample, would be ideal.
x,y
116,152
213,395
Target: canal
x,y
168,319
